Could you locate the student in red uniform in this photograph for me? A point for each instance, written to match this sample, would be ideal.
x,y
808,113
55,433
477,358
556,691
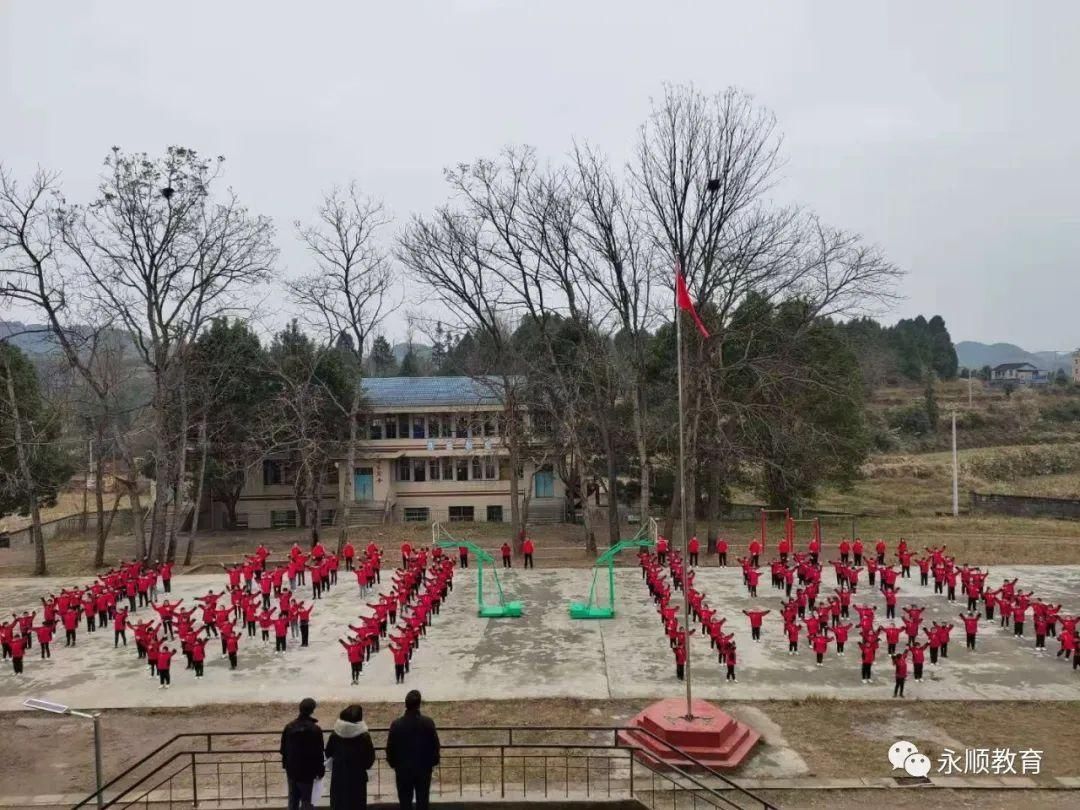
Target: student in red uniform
x,y
692,549
755,552
463,556
348,551
900,665
661,549
528,549
506,555
729,661
163,662
406,552
401,658
198,655
232,647
869,652
971,627
281,630
44,635
721,551
755,617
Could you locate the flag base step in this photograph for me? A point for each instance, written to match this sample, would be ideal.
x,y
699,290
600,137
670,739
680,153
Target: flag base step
x,y
712,737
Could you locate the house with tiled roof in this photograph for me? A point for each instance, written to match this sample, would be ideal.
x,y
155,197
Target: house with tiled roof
x,y
432,450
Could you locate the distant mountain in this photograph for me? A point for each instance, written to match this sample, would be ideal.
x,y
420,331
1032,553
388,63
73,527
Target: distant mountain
x,y
31,338
972,354
421,350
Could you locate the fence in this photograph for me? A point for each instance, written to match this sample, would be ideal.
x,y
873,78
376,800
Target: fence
x,y
570,763
69,524
1025,506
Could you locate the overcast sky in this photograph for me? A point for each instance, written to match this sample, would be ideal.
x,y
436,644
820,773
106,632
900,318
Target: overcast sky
x,y
945,132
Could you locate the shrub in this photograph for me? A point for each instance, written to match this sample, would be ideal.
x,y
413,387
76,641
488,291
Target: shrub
x,y
1067,411
912,420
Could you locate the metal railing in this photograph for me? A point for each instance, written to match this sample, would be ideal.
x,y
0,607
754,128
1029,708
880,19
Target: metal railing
x,y
243,769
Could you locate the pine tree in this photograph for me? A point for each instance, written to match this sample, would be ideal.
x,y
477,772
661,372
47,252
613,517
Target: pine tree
x,y
381,361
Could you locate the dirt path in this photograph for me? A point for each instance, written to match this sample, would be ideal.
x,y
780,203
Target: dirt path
x,y
46,754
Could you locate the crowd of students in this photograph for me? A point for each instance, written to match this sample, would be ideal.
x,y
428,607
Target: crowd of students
x,y
821,614
402,615
115,598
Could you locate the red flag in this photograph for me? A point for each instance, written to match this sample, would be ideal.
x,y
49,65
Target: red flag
x,y
682,301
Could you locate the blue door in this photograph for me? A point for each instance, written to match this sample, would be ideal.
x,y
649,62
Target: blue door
x,y
544,484
364,484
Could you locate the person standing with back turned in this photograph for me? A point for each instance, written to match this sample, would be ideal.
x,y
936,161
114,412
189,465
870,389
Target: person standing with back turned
x,y
302,755
412,750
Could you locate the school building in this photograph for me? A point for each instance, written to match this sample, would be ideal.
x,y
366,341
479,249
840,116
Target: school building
x,y
432,450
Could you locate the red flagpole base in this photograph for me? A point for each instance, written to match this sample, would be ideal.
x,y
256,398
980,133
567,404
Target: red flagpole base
x,y
712,737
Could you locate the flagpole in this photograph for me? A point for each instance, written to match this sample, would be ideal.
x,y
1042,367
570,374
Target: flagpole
x,y
682,510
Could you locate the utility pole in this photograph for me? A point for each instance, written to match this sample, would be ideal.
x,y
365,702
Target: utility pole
x,y
955,472
969,389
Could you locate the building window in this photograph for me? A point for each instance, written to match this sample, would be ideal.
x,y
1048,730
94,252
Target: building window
x,y
447,468
375,428
282,518
490,471
331,474
403,425
477,469
419,472
462,469
462,428
446,425
461,514
404,469
489,426
390,427
415,514
494,514
434,469
419,427
272,472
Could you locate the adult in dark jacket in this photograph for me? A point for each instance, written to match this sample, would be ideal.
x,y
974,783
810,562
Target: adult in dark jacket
x,y
351,753
302,755
412,750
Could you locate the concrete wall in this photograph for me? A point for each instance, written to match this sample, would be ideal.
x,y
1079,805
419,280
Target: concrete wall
x,y
1024,506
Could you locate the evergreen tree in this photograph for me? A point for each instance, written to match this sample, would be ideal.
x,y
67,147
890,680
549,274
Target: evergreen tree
x,y
410,364
32,465
381,361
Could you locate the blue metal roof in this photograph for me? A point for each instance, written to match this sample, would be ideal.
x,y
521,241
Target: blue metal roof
x,y
427,392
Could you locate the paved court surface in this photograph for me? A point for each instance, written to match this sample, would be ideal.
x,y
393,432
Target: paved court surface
x,y
546,654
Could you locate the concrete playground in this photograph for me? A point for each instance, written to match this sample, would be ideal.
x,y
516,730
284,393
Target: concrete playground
x,y
545,653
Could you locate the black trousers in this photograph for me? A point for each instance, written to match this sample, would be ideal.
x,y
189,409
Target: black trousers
x,y
464,560
45,652
279,643
16,664
723,558
304,634
693,558
163,677
866,671
898,690
118,636
755,633
529,561
232,660
410,784
918,671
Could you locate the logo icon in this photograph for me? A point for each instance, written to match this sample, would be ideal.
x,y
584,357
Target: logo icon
x,y
903,755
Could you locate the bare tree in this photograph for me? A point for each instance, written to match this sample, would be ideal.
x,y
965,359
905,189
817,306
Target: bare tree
x,y
158,250
448,254
703,168
620,271
348,295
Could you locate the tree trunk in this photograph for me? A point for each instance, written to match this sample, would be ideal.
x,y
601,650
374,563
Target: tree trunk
x,y
99,501
26,473
643,454
203,447
176,518
586,517
513,444
86,495
612,484
350,457
716,476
